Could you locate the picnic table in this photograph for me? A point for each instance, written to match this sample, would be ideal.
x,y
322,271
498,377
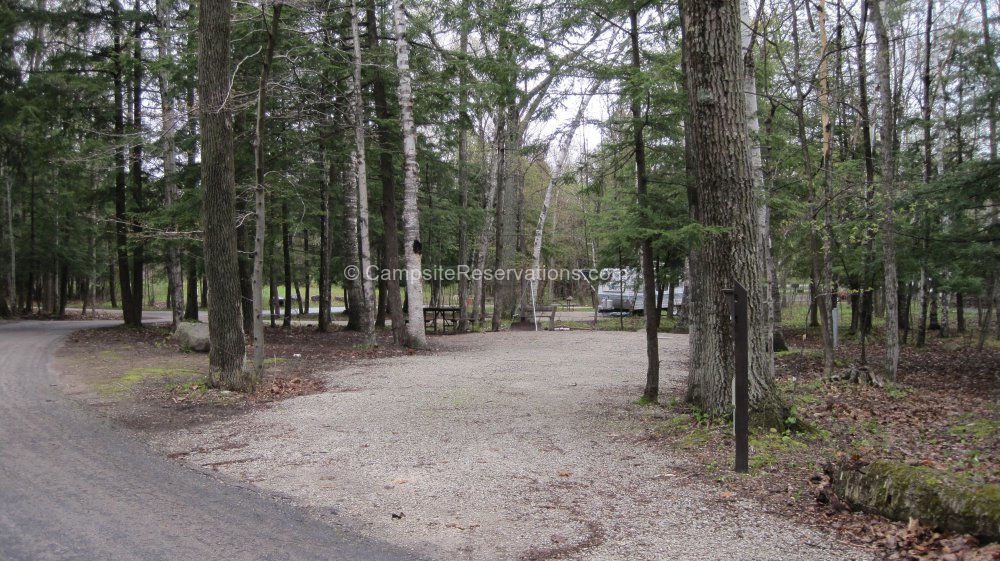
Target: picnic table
x,y
448,315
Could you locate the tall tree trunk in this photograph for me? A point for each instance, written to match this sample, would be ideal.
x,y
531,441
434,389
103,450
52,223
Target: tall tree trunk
x,y
138,251
417,338
171,192
825,269
258,196
651,312
390,249
121,212
887,132
360,168
228,350
868,256
725,198
463,173
925,289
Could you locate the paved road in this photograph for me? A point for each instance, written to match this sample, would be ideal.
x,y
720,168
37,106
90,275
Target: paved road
x,y
75,488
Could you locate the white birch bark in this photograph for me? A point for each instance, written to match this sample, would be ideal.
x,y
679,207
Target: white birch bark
x,y
564,147
757,170
411,211
361,184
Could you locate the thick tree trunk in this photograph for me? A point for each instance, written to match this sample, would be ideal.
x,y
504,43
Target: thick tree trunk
x,y
887,134
416,337
367,301
725,198
228,350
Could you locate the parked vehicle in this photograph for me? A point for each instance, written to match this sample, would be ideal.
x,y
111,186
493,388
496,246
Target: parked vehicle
x,y
623,292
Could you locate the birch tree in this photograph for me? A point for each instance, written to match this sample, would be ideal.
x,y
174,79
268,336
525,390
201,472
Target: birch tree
x,y
412,249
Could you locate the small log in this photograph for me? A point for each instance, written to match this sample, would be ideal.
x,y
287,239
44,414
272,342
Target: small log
x,y
901,492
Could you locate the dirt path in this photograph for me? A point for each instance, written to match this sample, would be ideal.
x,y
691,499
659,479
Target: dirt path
x,y
500,446
73,487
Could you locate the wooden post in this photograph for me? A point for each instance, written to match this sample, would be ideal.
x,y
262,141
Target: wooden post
x,y
741,397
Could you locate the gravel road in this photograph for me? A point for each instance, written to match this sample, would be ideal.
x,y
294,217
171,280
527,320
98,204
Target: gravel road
x,y
500,447
74,488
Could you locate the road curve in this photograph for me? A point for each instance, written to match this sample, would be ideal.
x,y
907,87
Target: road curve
x,y
75,488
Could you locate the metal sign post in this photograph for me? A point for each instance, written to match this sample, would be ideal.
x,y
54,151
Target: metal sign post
x,y
741,386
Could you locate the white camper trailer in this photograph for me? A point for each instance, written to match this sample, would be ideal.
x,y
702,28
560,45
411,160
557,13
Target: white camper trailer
x,y
622,292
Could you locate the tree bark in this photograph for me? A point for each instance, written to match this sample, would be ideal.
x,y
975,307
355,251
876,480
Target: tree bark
x,y
725,199
417,338
138,251
323,322
171,192
390,249
651,312
463,174
887,135
228,350
121,216
259,193
360,166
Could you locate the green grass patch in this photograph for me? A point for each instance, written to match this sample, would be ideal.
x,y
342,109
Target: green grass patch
x,y
767,449
976,429
135,376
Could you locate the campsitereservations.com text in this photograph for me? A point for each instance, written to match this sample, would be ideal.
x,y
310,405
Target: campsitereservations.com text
x,y
465,272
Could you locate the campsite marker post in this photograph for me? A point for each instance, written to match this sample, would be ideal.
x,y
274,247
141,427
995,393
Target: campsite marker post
x,y
741,397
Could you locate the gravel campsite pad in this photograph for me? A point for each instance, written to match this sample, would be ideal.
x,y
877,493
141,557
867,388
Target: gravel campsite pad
x,y
499,446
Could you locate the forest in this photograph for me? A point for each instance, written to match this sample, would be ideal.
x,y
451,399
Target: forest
x,y
242,156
